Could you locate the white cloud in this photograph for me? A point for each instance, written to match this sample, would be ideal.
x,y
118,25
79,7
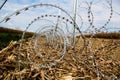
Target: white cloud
x,y
100,11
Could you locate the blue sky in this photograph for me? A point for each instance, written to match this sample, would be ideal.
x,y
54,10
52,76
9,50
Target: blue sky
x,y
100,10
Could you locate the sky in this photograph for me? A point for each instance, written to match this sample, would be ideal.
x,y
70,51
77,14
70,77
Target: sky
x,y
100,10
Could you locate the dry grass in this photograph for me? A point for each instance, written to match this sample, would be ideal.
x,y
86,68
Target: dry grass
x,y
8,30
77,63
6,35
110,35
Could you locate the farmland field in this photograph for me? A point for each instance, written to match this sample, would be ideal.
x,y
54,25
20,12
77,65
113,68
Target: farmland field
x,y
69,40
6,35
78,62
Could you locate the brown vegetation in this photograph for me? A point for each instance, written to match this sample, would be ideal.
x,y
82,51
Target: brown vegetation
x,y
110,35
6,35
8,30
76,64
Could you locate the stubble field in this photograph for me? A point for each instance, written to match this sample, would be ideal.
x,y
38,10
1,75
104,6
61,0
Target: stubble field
x,y
95,59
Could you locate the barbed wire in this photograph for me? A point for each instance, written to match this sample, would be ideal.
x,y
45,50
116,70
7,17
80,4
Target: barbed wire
x,y
2,4
57,37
